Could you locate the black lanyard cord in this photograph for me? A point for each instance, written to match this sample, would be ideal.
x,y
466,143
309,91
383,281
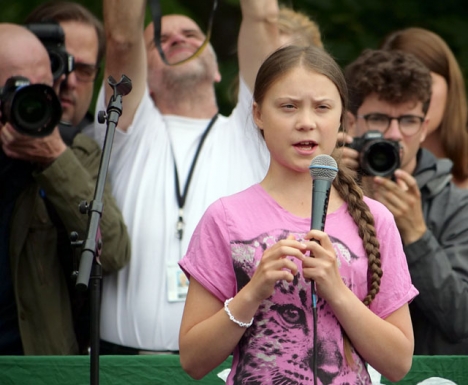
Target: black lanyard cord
x,y
182,197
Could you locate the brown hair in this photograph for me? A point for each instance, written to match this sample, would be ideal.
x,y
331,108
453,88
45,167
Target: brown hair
x,y
69,11
304,30
316,59
289,57
349,191
395,76
436,55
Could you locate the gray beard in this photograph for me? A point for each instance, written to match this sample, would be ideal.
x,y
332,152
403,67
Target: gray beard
x,y
181,82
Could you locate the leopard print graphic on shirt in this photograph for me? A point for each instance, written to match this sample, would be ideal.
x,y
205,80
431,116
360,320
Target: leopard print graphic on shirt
x,y
278,348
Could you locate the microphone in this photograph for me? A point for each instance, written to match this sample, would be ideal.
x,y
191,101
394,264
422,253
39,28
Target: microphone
x,y
323,171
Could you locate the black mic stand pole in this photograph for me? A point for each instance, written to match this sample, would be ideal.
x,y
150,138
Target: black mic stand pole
x,y
90,269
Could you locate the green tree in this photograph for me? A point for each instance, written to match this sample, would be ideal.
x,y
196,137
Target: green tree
x,y
348,26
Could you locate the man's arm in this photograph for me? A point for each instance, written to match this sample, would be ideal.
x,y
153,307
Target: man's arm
x,y
39,150
436,249
258,36
125,51
70,179
439,270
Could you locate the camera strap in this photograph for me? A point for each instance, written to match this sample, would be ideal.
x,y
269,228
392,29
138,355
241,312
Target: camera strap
x,y
156,15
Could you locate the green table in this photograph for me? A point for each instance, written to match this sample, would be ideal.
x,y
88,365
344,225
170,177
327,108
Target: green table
x,y
166,370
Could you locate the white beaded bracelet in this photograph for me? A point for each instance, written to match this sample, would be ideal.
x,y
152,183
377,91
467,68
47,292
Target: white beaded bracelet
x,y
231,317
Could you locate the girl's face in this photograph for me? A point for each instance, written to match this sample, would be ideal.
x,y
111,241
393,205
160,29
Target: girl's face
x,y
300,118
436,110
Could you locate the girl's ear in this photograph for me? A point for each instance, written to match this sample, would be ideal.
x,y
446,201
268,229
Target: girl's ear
x,y
257,115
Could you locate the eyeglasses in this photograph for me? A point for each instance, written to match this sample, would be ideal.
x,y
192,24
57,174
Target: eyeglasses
x,y
408,124
85,72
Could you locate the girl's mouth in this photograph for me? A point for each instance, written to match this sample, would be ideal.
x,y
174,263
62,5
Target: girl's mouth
x,y
307,145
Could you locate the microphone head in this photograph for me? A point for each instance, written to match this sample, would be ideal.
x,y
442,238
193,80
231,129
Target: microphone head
x,y
323,167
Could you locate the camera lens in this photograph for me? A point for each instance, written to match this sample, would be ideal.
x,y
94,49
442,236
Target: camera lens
x,y
35,110
30,110
380,158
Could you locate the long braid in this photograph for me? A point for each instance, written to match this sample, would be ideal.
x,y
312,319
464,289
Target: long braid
x,y
350,192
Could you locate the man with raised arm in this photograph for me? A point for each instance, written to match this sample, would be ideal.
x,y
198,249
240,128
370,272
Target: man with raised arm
x,y
173,155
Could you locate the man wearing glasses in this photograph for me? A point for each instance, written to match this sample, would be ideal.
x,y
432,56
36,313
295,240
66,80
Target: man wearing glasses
x,y
390,93
85,41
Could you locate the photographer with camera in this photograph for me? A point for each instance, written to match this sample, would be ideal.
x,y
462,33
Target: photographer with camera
x,y
75,40
42,182
390,93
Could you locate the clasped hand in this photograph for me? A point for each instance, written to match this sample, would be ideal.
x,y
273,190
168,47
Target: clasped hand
x,y
280,262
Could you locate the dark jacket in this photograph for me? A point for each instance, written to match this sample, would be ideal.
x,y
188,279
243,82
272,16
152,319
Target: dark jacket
x,y
40,287
438,262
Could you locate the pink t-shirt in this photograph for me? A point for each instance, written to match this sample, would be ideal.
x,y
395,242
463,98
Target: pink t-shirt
x,y
278,348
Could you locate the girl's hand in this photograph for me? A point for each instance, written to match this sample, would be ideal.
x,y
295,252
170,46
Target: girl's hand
x,y
275,266
322,265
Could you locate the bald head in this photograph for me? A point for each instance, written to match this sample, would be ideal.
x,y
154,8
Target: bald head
x,y
23,54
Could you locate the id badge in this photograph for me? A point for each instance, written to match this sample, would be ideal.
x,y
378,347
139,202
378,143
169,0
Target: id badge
x,y
177,284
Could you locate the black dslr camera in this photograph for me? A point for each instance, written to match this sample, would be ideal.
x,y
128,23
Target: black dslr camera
x,y
32,109
377,156
52,36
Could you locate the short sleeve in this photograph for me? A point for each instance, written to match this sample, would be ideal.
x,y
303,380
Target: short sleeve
x,y
208,258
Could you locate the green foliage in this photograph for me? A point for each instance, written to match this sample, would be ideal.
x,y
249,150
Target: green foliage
x,y
348,26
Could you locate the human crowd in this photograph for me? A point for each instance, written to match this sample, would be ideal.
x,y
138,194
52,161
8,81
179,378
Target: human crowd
x,y
207,246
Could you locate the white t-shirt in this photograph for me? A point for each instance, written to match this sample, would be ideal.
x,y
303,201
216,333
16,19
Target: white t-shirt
x,y
136,310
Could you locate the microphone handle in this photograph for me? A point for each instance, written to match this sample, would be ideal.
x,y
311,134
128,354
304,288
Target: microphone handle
x,y
320,196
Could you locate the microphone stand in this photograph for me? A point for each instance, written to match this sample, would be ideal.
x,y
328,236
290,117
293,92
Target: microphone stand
x,y
90,270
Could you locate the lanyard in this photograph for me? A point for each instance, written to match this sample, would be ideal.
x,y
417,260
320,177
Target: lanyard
x,y
181,197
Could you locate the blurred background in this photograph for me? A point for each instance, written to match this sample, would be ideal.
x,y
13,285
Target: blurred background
x,y
347,26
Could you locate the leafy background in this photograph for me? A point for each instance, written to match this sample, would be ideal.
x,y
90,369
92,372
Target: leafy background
x,y
348,26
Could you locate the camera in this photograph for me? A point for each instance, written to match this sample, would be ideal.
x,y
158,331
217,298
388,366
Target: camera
x,y
377,156
53,38
32,109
